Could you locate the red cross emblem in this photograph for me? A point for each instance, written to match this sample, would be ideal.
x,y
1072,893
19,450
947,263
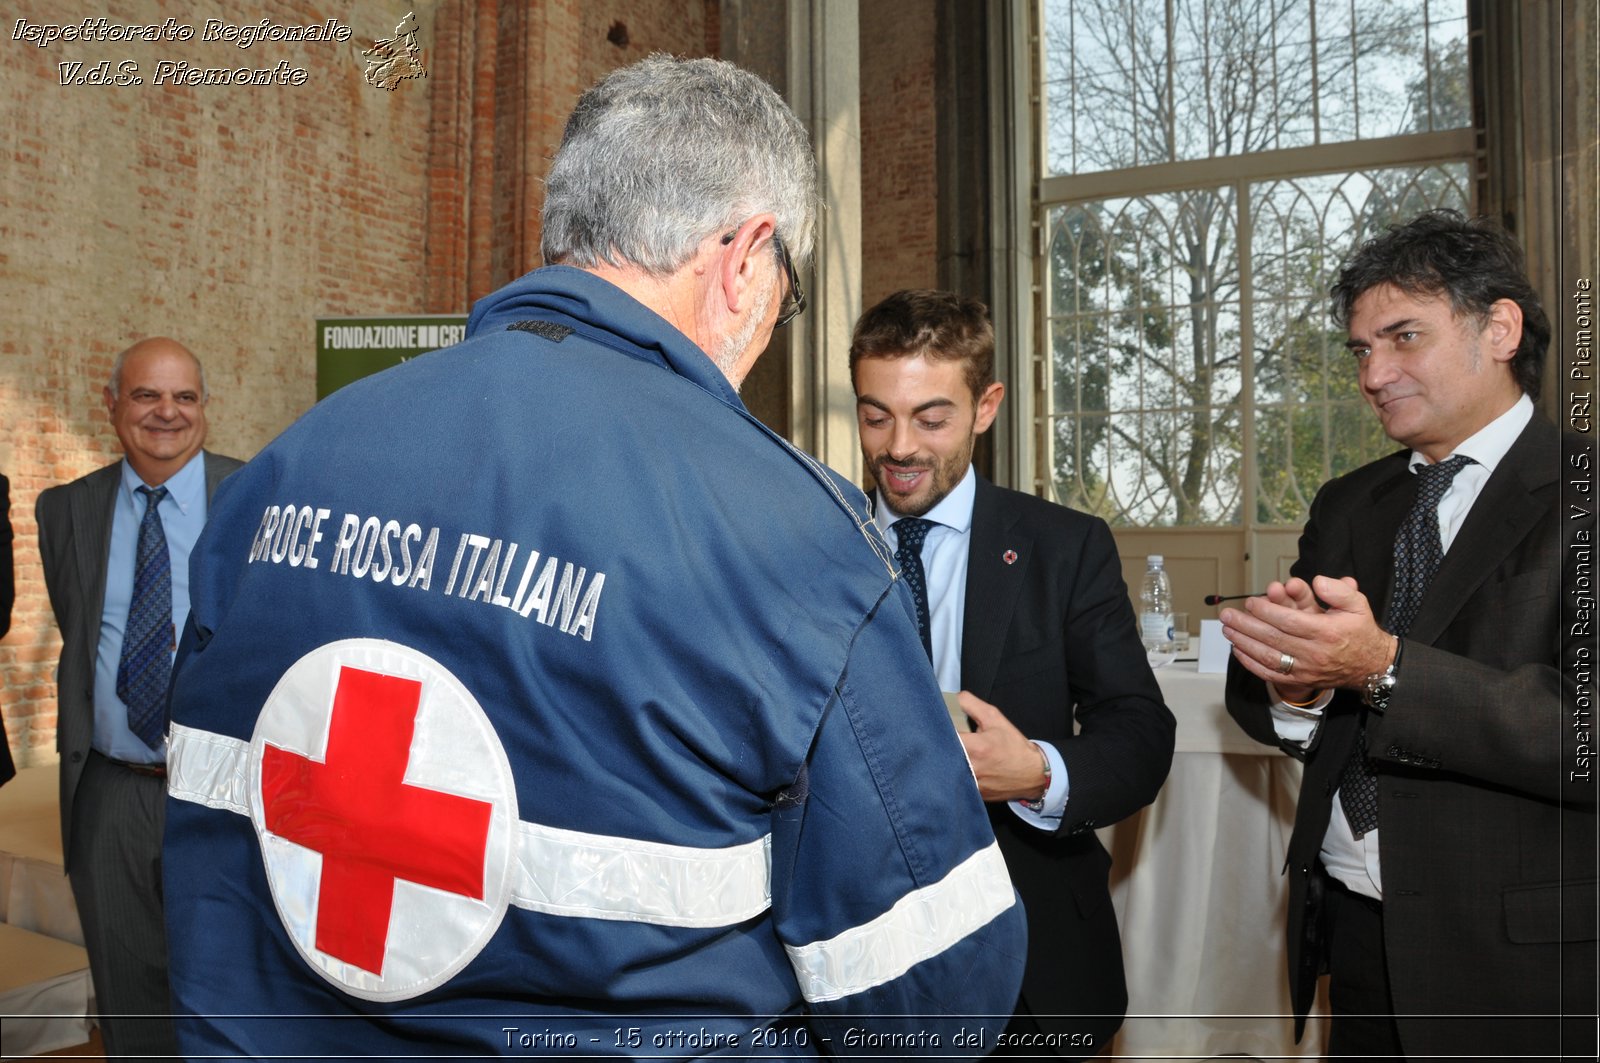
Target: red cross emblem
x,y
369,825
385,809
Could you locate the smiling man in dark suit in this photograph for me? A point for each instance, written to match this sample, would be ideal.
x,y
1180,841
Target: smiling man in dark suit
x,y
97,535
1023,610
1417,661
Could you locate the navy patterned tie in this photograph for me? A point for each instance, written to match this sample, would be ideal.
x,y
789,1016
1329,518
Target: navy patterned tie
x,y
910,533
146,664
1417,554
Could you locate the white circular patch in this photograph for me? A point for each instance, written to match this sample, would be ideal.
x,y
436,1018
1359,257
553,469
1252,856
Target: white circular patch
x,y
387,828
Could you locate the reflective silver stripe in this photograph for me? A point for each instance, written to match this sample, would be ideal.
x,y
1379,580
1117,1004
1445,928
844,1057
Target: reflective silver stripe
x,y
921,925
208,769
565,872
559,872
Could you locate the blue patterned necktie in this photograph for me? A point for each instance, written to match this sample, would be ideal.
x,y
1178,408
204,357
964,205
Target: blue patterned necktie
x,y
145,668
909,534
1418,552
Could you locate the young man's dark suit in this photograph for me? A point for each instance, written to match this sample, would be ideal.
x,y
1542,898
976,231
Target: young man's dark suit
x,y
1489,883
75,542
1047,637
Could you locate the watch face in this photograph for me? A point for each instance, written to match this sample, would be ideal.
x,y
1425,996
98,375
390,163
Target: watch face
x,y
1376,688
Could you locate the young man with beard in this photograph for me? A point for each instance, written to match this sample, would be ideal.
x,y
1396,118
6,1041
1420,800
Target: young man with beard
x,y
1023,610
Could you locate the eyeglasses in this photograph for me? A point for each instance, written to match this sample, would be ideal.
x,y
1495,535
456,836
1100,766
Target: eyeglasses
x,y
794,300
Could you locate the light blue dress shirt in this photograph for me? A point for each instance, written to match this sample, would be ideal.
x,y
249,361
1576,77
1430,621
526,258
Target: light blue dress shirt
x,y
944,566
183,515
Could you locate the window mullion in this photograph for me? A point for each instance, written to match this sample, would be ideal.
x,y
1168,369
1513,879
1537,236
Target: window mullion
x,y
1245,234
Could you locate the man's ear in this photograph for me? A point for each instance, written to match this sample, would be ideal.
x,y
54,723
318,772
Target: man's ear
x,y
739,268
1503,330
988,406
111,401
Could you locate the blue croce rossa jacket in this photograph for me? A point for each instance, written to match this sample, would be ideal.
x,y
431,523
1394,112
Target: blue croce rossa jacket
x,y
537,699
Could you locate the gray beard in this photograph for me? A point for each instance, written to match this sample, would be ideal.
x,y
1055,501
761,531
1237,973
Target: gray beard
x,y
732,348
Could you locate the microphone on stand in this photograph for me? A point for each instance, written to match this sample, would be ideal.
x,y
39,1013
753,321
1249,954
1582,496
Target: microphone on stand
x,y
1218,599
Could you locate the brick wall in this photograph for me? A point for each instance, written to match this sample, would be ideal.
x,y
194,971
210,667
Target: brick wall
x,y
231,217
516,70
899,187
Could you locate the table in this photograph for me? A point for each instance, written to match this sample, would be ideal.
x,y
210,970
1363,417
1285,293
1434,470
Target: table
x,y
1199,891
34,891
45,991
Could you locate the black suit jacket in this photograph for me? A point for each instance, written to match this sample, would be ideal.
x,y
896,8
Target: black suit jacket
x,y
1050,638
8,593
8,583
1487,843
75,543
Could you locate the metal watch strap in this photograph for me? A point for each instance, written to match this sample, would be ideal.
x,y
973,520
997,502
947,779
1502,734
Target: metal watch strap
x,y
1037,806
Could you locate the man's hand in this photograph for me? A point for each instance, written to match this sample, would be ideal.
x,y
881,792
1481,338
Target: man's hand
x,y
1008,766
1294,594
1336,647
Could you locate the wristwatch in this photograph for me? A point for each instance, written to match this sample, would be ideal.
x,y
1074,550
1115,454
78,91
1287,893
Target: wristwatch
x,y
1036,806
1376,688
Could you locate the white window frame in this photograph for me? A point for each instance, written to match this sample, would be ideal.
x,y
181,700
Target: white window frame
x,y
1203,559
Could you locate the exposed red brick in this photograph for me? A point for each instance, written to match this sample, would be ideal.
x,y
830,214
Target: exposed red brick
x,y
231,218
899,222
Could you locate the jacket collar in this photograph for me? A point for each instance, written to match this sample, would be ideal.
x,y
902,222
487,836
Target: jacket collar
x,y
993,583
578,299
1510,506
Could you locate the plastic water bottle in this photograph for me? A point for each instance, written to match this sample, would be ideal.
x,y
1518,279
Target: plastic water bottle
x,y
1155,607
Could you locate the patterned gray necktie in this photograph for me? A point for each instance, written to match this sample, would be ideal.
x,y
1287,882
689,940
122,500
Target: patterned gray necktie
x,y
1417,554
909,534
145,667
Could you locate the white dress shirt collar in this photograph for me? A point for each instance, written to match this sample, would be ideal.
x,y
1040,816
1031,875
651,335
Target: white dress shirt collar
x,y
186,487
1489,444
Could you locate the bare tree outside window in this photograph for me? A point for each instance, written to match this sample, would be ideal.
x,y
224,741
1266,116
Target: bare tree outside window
x,y
1183,323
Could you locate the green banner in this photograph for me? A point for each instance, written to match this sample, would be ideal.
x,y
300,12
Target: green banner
x,y
349,348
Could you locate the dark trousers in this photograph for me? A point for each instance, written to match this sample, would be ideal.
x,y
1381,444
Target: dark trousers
x,y
117,818
1363,1026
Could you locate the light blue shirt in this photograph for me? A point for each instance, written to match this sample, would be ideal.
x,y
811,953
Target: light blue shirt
x,y
183,515
944,566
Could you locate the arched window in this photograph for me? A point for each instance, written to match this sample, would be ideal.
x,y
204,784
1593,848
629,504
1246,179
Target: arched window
x,y
1205,165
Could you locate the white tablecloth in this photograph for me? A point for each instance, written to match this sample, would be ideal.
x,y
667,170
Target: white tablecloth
x,y
1198,886
45,990
44,993
34,891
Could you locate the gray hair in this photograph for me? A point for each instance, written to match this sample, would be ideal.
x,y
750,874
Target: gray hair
x,y
659,155
115,383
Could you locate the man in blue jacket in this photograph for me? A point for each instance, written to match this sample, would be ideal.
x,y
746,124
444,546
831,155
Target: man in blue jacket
x,y
537,698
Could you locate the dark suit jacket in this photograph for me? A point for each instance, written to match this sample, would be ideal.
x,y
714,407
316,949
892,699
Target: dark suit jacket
x,y
74,543
1051,639
1487,844
8,582
8,593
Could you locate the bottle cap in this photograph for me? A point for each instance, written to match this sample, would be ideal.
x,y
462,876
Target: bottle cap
x,y
1154,559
